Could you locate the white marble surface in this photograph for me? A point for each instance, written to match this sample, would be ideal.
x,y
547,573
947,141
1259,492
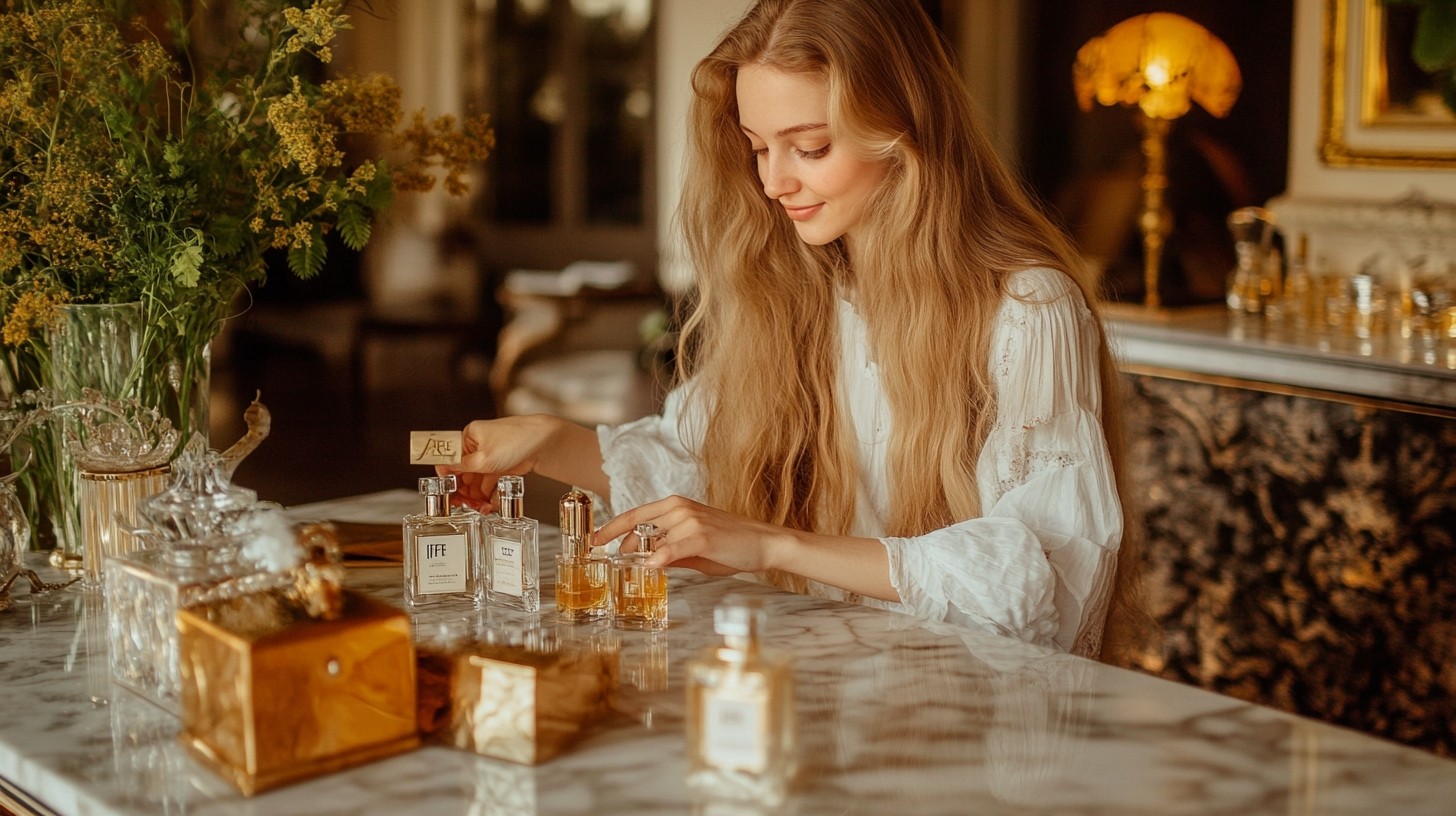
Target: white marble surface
x,y
894,718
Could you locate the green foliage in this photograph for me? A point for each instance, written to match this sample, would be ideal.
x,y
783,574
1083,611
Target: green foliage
x,y
141,160
1434,49
307,261
353,227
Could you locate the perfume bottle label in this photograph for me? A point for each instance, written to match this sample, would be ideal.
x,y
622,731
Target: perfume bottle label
x,y
443,564
733,732
505,570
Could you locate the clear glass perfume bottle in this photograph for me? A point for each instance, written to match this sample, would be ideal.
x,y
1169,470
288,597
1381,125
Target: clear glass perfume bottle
x,y
512,559
581,577
442,549
740,726
639,592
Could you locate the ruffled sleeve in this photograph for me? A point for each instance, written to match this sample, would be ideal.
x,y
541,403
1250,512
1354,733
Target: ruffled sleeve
x,y
654,457
1038,564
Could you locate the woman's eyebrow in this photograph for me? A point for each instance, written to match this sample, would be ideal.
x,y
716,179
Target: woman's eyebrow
x,y
789,131
808,126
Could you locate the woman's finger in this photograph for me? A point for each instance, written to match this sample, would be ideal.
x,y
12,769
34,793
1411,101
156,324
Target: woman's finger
x,y
642,514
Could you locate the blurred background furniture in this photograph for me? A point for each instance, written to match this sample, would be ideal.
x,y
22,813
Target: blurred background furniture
x,y
575,349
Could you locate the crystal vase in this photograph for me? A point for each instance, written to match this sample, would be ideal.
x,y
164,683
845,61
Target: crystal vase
x,y
109,348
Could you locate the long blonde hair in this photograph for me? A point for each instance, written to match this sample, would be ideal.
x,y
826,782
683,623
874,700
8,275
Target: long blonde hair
x,y
941,237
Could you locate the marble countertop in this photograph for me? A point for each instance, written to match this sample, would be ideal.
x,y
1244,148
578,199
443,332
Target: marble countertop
x,y
1212,341
893,716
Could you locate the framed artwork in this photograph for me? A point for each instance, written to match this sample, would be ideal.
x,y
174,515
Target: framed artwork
x,y
1378,106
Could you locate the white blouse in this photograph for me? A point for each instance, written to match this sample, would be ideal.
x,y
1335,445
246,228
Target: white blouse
x,y
1038,564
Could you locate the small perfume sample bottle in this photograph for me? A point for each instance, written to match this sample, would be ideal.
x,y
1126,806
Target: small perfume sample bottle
x,y
639,592
512,559
442,550
581,578
740,725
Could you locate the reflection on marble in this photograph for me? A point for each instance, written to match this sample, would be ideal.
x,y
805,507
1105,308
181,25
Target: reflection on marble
x,y
894,717
1300,553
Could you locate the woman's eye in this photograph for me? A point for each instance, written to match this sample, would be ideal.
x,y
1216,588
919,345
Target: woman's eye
x,y
814,154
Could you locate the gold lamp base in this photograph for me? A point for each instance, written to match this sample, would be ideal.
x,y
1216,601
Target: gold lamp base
x,y
1154,220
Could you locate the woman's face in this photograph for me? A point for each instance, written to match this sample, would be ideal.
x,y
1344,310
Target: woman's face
x,y
823,187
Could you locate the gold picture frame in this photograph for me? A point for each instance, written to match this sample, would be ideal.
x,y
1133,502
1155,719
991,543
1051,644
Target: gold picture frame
x,y
1365,111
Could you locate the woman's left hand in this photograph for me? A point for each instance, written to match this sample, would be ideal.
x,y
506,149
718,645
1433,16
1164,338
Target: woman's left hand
x,y
703,538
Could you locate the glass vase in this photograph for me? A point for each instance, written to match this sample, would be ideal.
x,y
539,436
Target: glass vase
x,y
112,349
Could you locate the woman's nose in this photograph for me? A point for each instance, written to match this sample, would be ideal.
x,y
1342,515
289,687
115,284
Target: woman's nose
x,y
777,180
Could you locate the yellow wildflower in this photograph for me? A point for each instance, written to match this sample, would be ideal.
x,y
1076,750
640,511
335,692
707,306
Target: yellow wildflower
x,y
32,310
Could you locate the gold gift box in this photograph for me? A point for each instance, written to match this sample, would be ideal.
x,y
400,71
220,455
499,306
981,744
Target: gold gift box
x,y
271,695
519,704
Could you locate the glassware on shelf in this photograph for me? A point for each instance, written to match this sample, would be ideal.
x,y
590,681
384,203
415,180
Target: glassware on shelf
x,y
1294,309
1250,285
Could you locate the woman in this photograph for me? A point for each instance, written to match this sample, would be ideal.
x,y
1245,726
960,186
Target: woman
x,y
891,383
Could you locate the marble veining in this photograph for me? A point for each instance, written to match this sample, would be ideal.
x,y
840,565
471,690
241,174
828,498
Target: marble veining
x,y
894,717
1300,553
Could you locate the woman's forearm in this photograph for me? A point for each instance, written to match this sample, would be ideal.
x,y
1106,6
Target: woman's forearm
x,y
571,454
854,564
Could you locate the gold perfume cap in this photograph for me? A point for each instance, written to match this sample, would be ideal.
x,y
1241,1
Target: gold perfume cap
x,y
511,496
647,536
576,524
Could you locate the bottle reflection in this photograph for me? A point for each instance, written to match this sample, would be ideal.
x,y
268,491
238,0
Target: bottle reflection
x,y
504,789
643,677
1041,709
644,663
94,631
150,764
1013,712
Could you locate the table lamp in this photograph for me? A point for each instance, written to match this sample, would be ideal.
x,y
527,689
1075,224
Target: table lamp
x,y
1162,63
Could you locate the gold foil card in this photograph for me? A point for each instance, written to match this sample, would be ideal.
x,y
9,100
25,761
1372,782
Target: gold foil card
x,y
436,447
272,696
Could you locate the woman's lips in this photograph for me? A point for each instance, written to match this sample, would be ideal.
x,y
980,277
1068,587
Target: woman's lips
x,y
802,213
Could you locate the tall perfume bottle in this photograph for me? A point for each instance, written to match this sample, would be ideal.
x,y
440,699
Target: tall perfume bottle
x,y
512,560
639,592
442,549
581,578
740,725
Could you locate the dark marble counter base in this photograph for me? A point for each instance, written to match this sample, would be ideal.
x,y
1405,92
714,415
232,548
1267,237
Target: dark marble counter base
x,y
1300,552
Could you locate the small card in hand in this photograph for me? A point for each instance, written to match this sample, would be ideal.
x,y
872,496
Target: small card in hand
x,y
435,447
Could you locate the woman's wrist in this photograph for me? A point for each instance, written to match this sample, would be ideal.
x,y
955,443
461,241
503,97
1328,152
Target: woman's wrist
x,y
785,549
568,453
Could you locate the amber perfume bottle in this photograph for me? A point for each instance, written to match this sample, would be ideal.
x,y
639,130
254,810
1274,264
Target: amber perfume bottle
x,y
581,577
639,592
442,550
740,726
512,560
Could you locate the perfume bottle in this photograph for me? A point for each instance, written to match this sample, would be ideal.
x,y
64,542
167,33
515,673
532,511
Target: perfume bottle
x,y
512,562
581,577
639,592
740,725
441,549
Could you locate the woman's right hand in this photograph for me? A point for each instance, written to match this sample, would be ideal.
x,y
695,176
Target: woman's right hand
x,y
492,448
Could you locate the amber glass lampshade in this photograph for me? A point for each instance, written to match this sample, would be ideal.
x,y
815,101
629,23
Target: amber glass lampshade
x,y
1162,63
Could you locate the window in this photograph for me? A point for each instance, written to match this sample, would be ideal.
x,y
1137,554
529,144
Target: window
x,y
569,84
